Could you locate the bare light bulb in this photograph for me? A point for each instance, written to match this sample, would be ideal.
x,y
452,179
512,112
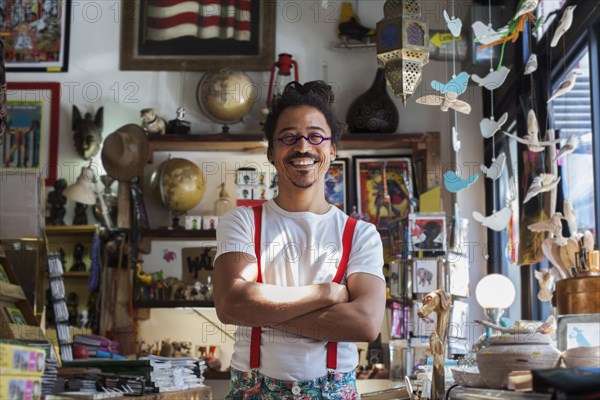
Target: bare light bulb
x,y
495,291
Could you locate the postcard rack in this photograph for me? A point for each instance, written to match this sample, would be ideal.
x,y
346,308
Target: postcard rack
x,y
17,320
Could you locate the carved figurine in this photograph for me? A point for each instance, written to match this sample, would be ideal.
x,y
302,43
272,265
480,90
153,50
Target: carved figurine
x,y
78,264
439,302
87,133
152,123
80,217
55,204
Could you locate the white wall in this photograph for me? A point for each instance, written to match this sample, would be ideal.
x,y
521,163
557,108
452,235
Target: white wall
x,y
94,80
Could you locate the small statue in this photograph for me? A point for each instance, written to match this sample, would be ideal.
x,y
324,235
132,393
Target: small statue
x,y
80,217
72,304
152,123
78,264
87,133
55,203
179,125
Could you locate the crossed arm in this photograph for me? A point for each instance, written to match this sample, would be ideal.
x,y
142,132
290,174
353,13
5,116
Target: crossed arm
x,y
326,311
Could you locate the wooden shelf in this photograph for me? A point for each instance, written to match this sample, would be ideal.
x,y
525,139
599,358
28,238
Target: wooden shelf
x,y
172,304
76,274
169,234
69,229
249,142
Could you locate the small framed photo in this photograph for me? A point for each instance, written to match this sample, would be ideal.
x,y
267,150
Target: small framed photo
x,y
425,275
3,275
427,232
336,184
15,315
209,222
193,222
578,330
372,192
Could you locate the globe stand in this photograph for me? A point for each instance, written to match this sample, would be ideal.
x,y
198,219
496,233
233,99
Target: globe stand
x,y
225,129
175,217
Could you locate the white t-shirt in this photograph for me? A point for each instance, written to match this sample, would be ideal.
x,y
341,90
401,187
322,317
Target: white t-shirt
x,y
298,249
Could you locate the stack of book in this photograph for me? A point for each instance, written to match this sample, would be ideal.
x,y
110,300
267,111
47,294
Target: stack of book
x,y
50,369
97,346
21,370
176,373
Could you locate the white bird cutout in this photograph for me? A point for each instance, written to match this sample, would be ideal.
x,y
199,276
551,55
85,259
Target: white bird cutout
x,y
569,147
532,139
493,80
455,141
570,215
484,34
588,240
494,171
563,26
527,7
540,184
489,127
497,221
545,279
447,101
565,86
552,225
532,64
454,24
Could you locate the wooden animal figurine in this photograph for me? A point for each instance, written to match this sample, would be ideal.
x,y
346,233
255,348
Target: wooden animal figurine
x,y
87,132
152,123
439,302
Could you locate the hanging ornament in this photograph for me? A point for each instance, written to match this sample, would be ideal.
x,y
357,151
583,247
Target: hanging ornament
x,y
497,221
532,65
569,147
494,171
542,183
527,6
455,141
458,84
484,34
532,139
570,215
563,26
493,80
445,102
453,23
565,86
489,127
552,225
455,183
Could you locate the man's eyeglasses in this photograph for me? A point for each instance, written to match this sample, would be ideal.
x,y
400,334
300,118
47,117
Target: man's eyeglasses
x,y
312,138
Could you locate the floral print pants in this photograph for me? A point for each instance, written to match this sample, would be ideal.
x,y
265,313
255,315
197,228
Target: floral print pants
x,y
251,386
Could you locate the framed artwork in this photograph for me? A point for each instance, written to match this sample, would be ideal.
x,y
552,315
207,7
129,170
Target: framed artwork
x,y
425,275
31,142
336,184
458,274
36,35
197,264
159,35
3,275
15,315
578,330
427,231
370,188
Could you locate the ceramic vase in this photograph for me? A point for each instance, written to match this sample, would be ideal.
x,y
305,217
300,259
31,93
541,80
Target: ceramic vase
x,y
373,111
519,352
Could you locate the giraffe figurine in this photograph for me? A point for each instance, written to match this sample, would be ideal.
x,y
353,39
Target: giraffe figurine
x,y
439,302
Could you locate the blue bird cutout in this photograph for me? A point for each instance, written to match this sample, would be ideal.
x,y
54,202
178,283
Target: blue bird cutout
x,y
457,84
455,183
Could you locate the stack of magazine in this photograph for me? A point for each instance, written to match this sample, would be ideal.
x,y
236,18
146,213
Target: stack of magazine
x,y
97,346
61,314
176,373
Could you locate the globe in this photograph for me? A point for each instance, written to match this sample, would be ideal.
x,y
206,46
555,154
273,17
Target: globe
x,y
226,96
178,184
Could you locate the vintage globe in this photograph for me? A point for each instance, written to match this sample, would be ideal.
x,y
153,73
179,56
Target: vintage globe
x,y
178,184
226,96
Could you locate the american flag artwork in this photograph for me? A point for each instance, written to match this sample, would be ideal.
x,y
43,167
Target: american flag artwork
x,y
203,19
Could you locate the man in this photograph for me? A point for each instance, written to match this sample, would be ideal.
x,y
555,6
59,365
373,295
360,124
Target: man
x,y
297,312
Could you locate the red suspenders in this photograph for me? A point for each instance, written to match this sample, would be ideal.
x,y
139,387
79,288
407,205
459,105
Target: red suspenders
x,y
341,271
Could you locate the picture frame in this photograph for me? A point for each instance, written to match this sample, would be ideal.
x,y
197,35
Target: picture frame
x,y
36,39
369,187
425,275
427,232
337,184
31,142
15,315
578,330
458,274
147,43
197,264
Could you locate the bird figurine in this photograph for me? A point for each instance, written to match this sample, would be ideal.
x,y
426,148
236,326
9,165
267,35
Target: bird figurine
x,y
494,171
455,141
552,225
489,127
545,280
570,215
540,184
569,147
457,84
532,139
588,240
455,183
493,80
453,23
349,26
565,86
532,64
447,101
528,6
497,221
563,26
484,34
